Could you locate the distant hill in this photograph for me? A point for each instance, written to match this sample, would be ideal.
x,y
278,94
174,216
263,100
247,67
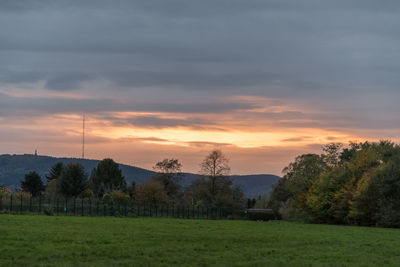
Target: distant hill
x,y
14,167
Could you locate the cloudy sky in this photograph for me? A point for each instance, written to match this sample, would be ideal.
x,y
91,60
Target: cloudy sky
x,y
262,80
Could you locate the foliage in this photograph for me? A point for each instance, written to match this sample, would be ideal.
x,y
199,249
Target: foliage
x,y
169,174
48,211
360,185
55,171
332,154
107,177
250,203
262,202
5,191
200,193
152,192
25,196
52,188
215,189
132,190
87,193
117,197
73,180
215,166
32,184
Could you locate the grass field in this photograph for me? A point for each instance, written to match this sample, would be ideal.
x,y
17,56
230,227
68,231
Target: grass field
x,y
104,241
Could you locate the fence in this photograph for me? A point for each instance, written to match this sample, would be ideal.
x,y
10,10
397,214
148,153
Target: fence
x,y
89,207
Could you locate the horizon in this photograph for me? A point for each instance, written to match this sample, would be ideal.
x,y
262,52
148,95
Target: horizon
x,y
120,163
263,81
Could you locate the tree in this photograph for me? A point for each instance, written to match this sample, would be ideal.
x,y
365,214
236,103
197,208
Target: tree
x,y
332,153
52,189
261,203
32,184
152,192
169,174
5,191
74,180
216,167
107,177
199,194
55,171
132,190
214,188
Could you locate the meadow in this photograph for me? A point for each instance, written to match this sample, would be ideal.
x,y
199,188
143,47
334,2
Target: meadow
x,y
38,240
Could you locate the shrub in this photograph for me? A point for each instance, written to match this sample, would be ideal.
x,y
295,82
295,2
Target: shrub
x,y
117,197
48,211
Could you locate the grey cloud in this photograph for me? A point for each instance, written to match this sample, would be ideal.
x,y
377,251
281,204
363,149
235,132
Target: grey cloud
x,y
69,81
325,54
297,139
160,122
16,77
27,106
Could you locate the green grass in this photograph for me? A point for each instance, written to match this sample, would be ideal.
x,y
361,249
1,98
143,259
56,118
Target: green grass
x,y
104,241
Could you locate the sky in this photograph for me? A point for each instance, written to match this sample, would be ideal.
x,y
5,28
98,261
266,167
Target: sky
x,y
261,80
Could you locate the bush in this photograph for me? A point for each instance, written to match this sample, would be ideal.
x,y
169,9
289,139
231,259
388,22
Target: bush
x,y
117,197
48,211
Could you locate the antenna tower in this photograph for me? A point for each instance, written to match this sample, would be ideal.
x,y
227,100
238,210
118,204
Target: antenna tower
x,y
83,137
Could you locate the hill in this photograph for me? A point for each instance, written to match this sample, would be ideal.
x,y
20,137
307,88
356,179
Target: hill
x,y
14,167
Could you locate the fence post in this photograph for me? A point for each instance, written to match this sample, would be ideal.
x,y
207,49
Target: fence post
x,y
11,200
20,206
90,207
40,204
30,204
1,202
57,206
66,206
74,206
82,207
97,207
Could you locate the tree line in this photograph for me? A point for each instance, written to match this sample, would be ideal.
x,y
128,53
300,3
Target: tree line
x,y
106,182
357,185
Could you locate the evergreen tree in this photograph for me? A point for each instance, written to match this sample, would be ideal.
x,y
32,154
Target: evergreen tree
x,y
73,180
32,184
107,177
55,171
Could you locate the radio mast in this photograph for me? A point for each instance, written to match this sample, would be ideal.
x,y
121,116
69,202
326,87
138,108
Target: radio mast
x,y
83,137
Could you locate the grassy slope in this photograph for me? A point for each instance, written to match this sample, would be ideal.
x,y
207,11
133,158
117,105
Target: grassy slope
x,y
42,240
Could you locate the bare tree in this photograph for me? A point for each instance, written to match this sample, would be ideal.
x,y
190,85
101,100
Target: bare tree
x,y
215,166
169,174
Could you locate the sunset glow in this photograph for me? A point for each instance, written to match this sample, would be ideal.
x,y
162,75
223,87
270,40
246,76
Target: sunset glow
x,y
254,80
